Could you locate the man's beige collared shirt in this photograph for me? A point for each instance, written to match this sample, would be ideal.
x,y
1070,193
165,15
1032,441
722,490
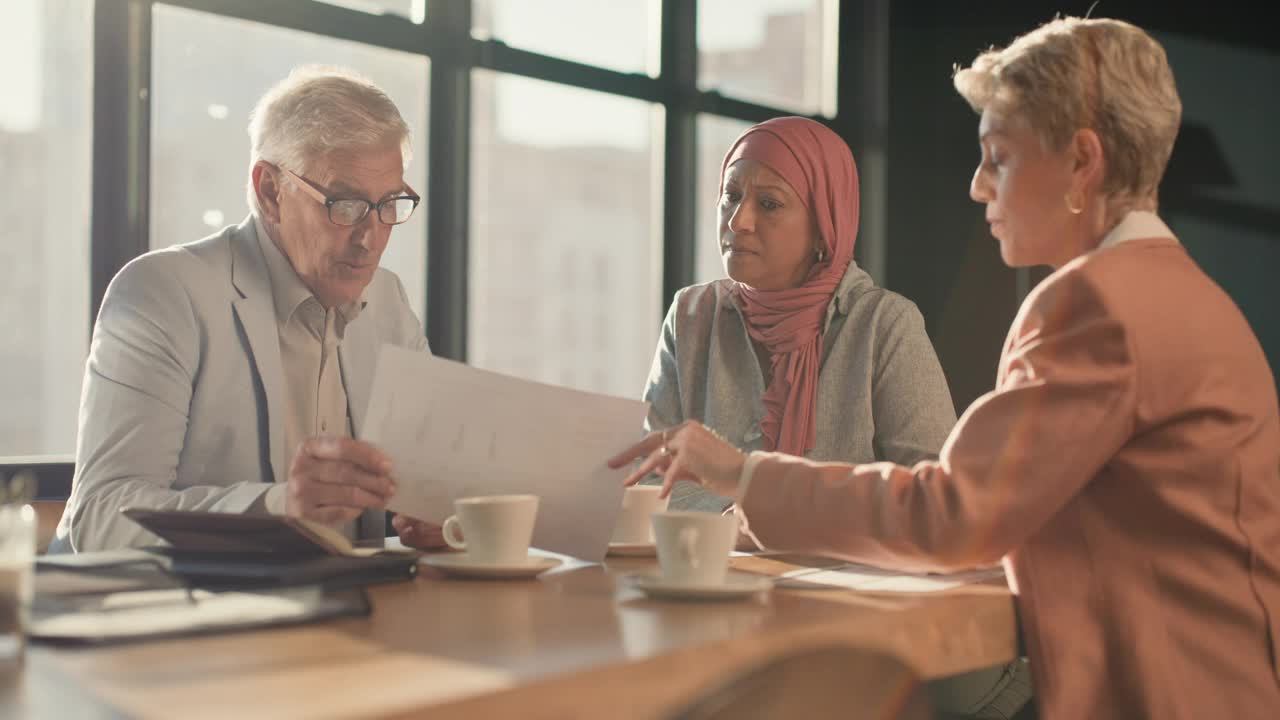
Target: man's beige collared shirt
x,y
309,339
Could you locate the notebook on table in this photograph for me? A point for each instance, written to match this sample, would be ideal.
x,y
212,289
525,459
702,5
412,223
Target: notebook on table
x,y
221,550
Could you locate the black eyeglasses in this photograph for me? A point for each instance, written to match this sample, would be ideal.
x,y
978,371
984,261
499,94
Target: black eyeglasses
x,y
350,211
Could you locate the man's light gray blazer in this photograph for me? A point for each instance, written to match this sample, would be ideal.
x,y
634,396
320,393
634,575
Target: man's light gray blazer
x,y
183,404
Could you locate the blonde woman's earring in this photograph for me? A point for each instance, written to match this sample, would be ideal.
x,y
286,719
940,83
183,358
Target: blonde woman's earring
x,y
1072,207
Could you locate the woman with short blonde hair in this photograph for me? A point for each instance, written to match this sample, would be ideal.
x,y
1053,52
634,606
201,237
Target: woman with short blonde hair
x,y
1126,467
1102,74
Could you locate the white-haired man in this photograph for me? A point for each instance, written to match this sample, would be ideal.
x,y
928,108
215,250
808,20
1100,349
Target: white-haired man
x,y
231,374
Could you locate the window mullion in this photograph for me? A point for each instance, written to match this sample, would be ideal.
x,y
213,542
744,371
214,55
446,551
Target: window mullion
x,y
449,178
121,140
678,78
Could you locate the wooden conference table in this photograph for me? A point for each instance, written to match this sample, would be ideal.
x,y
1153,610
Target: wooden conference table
x,y
577,642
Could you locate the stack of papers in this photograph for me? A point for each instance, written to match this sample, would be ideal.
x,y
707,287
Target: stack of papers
x,y
155,613
132,594
873,579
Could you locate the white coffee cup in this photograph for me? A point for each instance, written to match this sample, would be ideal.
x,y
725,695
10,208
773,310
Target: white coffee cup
x,y
639,502
497,528
693,547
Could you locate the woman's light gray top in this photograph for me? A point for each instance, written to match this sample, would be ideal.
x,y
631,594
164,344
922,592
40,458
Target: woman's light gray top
x,y
881,391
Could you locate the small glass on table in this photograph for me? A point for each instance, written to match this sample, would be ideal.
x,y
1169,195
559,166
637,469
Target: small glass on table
x,y
17,560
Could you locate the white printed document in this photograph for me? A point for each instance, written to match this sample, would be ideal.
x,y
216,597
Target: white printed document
x,y
455,431
873,579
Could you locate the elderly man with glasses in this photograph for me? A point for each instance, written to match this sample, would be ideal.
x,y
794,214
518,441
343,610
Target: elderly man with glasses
x,y
232,374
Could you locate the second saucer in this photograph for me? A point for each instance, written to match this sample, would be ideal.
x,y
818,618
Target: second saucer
x,y
462,566
621,549
736,586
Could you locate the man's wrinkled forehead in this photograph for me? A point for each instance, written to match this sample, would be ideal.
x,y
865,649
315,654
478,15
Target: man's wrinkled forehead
x,y
378,173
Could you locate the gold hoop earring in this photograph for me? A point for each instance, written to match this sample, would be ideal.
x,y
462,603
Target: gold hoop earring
x,y
1072,208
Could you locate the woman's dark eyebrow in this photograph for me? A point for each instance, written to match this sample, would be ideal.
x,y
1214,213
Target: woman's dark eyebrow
x,y
775,188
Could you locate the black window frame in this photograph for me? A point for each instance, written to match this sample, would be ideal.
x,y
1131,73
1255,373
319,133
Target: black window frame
x,y
122,133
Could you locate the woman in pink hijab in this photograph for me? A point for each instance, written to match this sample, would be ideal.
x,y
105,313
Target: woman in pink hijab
x,y
798,351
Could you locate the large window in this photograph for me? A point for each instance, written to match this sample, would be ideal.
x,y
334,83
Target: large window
x,y
773,52
414,10
46,49
565,245
623,33
203,87
549,144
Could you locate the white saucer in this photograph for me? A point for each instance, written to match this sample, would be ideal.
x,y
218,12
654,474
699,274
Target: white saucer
x,y
463,566
735,586
621,549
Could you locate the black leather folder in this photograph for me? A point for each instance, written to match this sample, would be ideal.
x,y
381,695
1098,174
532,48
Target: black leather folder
x,y
230,550
222,570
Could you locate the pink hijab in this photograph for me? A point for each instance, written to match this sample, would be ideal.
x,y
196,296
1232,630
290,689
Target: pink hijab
x,y
817,164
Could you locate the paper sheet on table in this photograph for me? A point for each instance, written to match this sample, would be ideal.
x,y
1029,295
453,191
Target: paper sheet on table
x,y
867,577
179,611
453,431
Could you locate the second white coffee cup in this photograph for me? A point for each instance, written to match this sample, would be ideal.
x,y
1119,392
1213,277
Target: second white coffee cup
x,y
693,547
496,529
639,503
